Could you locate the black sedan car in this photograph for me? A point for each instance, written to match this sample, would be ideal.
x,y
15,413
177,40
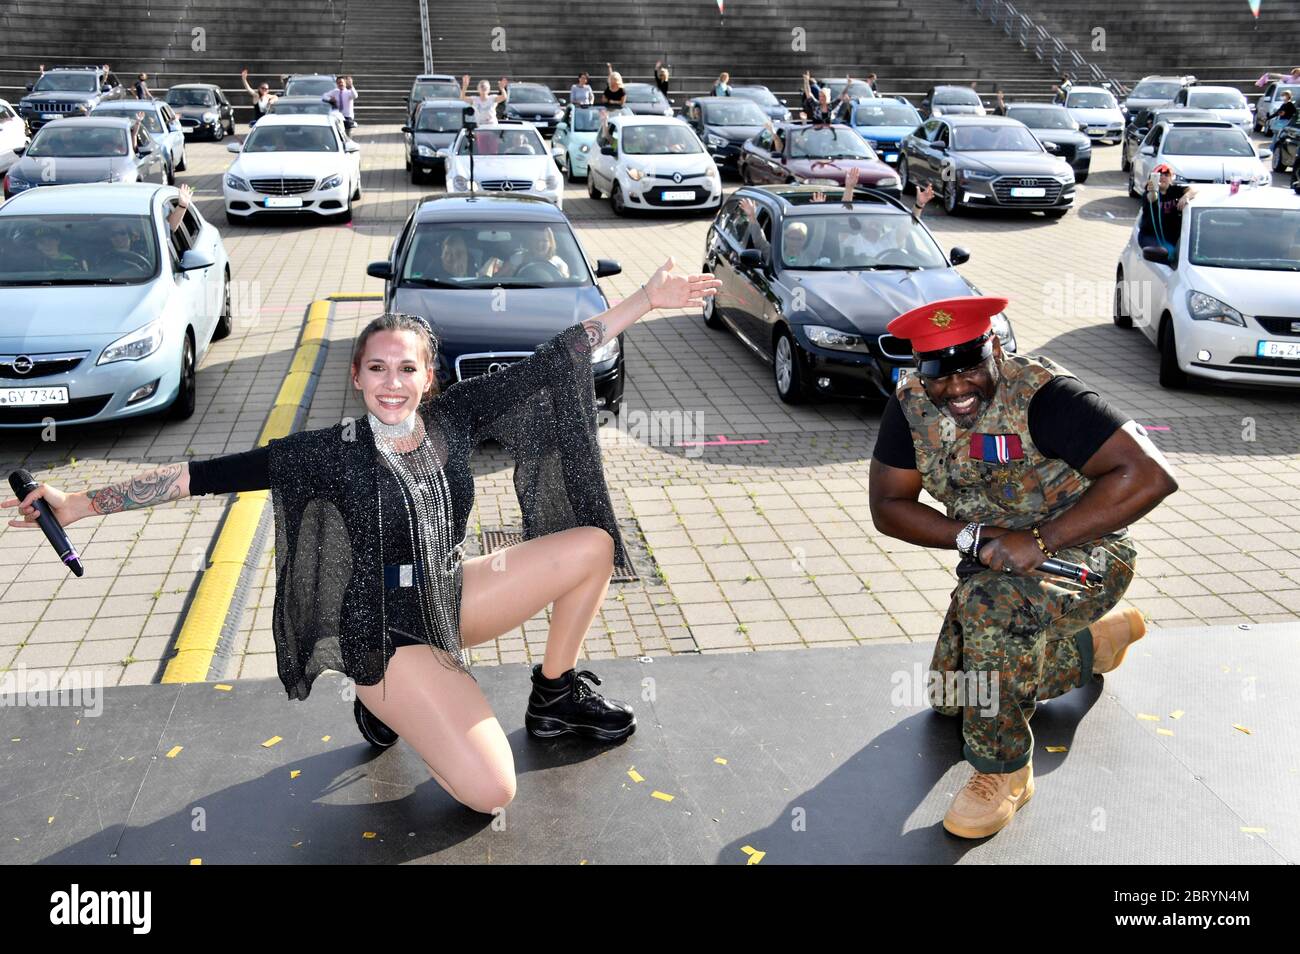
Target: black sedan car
x,y
1058,132
989,162
1140,123
724,124
951,101
203,110
430,135
536,104
460,256
777,110
809,286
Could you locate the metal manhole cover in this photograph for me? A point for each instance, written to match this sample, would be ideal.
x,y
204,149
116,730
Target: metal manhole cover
x,y
494,540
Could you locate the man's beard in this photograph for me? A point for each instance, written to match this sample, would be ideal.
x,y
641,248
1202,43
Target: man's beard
x,y
968,418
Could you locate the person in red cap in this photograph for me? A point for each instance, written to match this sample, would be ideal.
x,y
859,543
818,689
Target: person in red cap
x,y
1162,210
1029,464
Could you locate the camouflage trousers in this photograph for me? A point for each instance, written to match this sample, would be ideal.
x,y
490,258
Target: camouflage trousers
x,y
1010,640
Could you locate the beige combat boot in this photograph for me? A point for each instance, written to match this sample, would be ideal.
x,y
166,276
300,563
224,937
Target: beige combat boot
x,y
1112,635
988,801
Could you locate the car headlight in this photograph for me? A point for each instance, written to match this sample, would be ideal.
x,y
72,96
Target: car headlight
x,y
138,344
425,151
459,184
889,182
210,117
333,182
1084,146
711,172
634,173
714,142
1002,328
977,174
1203,307
236,183
544,183
832,338
606,352
584,148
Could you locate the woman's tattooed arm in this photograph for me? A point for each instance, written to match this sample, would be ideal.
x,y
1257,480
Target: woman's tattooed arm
x,y
596,333
171,482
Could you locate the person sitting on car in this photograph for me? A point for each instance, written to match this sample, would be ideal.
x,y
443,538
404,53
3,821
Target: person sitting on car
x,y
1283,116
615,91
485,104
1161,223
539,247
263,98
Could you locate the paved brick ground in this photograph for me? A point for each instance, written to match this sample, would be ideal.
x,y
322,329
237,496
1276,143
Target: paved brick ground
x,y
756,546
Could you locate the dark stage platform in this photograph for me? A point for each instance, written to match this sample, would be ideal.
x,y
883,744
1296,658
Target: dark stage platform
x,y
801,756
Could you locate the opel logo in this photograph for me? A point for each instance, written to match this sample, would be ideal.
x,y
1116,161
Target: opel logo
x,y
23,364
496,366
677,177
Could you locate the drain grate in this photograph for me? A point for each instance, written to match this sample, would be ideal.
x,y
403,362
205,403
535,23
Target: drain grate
x,y
494,540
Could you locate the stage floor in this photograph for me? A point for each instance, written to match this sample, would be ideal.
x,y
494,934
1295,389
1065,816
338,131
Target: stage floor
x,y
780,757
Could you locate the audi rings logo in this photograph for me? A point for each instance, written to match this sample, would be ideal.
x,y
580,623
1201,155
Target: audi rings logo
x,y
677,177
23,364
496,366
1026,182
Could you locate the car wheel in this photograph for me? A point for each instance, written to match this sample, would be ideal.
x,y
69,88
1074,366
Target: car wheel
x,y
356,193
785,370
951,204
232,219
1278,164
1132,183
415,174
180,166
1124,164
1171,375
592,191
171,175
1081,179
1121,318
710,312
616,200
346,214
225,321
904,180
182,409
568,170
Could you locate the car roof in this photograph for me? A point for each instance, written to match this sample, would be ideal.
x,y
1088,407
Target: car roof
x,y
512,124
111,121
1166,78
634,120
1267,197
641,86
1199,123
748,86
798,198
295,119
965,119
192,86
299,99
1090,89
1216,89
459,206
954,86
311,76
430,77
129,105
1031,105
797,124
440,101
90,198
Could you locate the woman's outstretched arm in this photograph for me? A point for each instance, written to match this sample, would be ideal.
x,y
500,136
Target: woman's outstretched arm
x,y
169,482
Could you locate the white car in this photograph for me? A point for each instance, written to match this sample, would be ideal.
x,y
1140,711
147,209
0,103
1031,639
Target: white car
x,y
108,311
13,130
1226,307
508,157
299,164
1199,150
652,162
1096,112
1226,102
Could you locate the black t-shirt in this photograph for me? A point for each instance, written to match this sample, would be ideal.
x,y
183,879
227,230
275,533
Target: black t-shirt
x,y
1286,111
1171,217
1067,421
661,82
615,97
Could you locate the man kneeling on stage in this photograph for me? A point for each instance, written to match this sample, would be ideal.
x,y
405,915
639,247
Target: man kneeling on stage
x,y
1030,465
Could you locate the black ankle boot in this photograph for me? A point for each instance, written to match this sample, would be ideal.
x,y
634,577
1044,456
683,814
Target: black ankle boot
x,y
571,705
372,729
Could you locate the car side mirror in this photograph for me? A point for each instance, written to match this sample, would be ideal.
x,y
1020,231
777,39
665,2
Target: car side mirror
x,y
407,129
606,267
19,150
234,146
144,149
1080,126
351,146
106,88
958,255
193,260
751,257
382,270
607,151
1050,146
29,87
940,146
1264,153
1156,254
1148,150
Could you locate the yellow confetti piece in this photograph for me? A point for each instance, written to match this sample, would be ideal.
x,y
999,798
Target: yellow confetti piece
x,y
1177,714
223,687
1253,831
1164,731
175,751
325,738
1058,748
367,834
720,760
196,861
271,741
1149,718
634,775
755,856
15,740
50,820
583,861
294,773
296,844
1241,728
662,796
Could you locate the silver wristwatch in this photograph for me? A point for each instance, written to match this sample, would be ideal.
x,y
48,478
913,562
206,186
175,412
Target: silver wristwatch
x,y
966,539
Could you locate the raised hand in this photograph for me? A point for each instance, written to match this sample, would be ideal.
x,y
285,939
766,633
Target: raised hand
x,y
668,288
61,505
925,195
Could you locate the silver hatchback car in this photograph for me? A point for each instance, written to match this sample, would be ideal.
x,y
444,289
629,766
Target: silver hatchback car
x,y
106,311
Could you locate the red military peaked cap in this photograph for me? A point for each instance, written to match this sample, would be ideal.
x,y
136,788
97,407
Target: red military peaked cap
x,y
948,322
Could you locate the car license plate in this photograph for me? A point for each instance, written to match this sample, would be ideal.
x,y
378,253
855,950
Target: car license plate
x,y
894,374
891,157
676,196
1021,192
1279,349
50,115
33,397
282,202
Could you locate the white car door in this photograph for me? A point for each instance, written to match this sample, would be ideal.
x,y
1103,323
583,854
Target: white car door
x,y
13,132
191,287
600,166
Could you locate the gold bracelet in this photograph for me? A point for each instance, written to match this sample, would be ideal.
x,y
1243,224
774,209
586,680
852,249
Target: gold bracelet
x,y
1038,538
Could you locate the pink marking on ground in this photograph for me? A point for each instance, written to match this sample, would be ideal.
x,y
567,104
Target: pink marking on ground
x,y
722,439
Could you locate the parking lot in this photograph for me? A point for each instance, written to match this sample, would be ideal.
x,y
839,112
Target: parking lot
x,y
755,536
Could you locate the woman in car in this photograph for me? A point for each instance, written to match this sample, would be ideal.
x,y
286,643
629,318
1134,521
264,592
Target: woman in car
x,y
370,524
539,247
456,262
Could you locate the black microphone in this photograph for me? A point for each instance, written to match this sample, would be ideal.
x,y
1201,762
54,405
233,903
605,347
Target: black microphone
x,y
22,483
1071,571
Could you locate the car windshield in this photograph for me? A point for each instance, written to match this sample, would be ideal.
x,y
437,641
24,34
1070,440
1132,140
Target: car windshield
x,y
956,97
884,113
315,107
1000,138
1215,99
846,241
79,142
146,116
742,113
291,139
1091,101
520,254
827,142
66,83
1042,117
586,119
76,250
1266,239
440,119
531,93
1207,142
314,86
1156,89
757,94
641,93
438,89
503,142
190,97
659,140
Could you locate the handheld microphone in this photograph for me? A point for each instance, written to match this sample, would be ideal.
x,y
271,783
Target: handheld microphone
x,y
1071,571
22,484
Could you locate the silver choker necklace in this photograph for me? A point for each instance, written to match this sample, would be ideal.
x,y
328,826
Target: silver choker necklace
x,y
393,432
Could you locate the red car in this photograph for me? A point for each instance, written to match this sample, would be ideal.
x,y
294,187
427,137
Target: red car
x,y
813,155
